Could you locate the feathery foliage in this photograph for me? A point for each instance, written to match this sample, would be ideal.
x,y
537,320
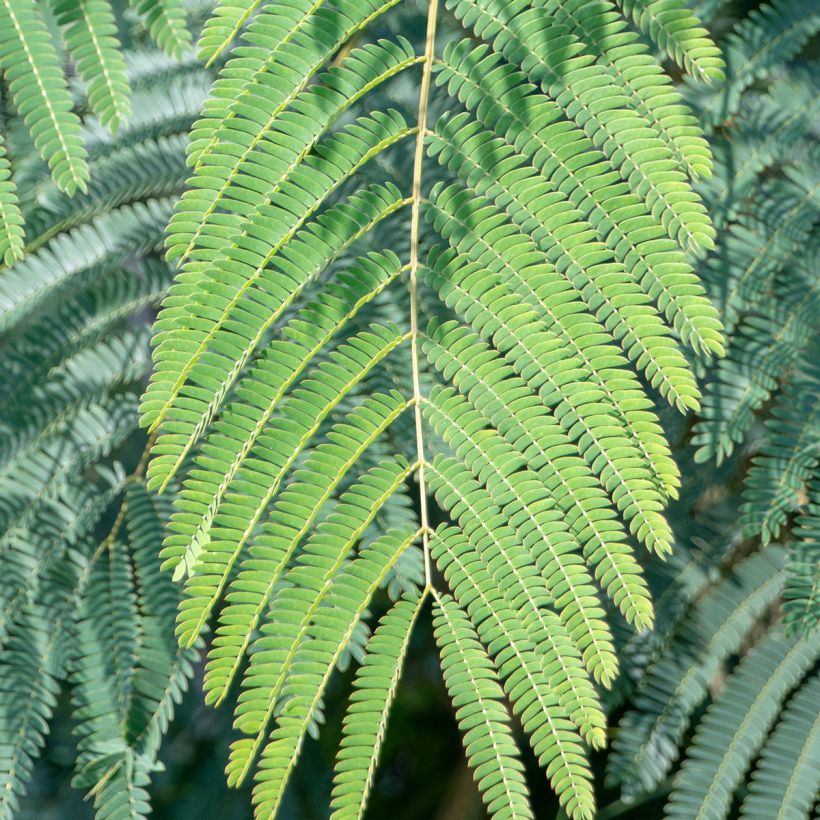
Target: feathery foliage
x,y
429,354
764,276
84,603
555,221
731,720
33,63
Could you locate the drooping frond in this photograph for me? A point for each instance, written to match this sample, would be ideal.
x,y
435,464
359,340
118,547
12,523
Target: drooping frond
x,y
540,525
771,129
649,734
32,70
314,657
578,495
273,548
546,50
672,25
72,259
554,739
365,722
102,673
32,36
637,74
164,669
747,708
90,32
488,165
786,779
479,701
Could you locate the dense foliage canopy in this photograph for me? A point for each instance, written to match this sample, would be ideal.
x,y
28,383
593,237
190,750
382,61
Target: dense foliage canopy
x,y
388,371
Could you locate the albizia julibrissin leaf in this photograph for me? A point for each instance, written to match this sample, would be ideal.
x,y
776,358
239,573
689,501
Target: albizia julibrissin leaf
x,y
297,393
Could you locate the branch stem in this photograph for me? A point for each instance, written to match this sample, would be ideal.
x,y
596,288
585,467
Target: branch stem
x,y
424,95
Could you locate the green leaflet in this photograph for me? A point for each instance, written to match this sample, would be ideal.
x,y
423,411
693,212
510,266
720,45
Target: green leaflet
x,y
468,672
366,719
785,780
673,26
747,709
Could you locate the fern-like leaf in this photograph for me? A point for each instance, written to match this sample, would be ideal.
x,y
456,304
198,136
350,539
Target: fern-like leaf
x,y
474,689
786,779
32,70
671,24
90,31
291,398
365,722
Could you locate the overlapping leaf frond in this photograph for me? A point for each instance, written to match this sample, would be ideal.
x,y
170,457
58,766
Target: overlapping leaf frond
x,y
760,400
786,778
543,226
127,672
746,710
788,458
740,712
32,64
650,734
84,603
672,25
